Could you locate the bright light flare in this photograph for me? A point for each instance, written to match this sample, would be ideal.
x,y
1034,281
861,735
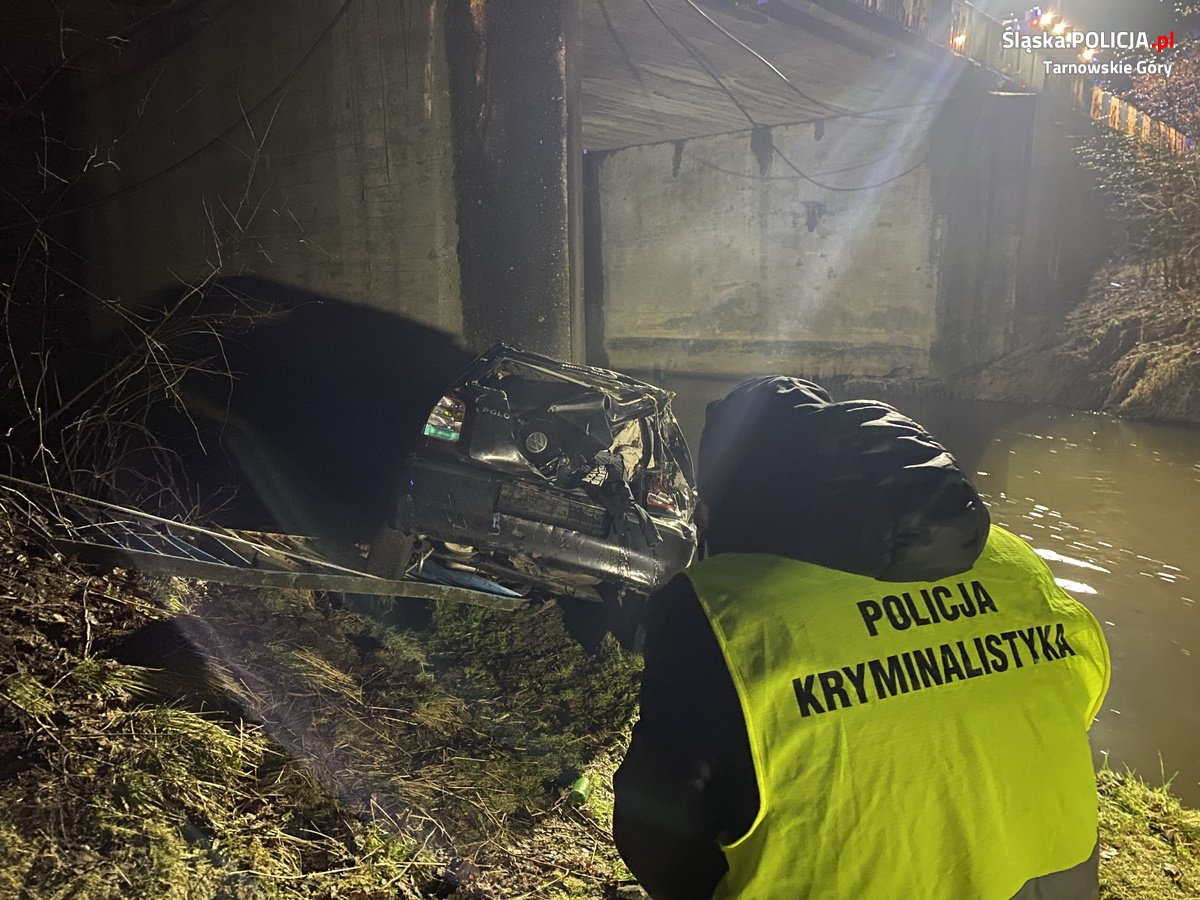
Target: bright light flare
x,y
1046,19
959,39
1060,27
1088,55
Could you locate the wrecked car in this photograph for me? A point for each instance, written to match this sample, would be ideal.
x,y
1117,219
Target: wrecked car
x,y
542,479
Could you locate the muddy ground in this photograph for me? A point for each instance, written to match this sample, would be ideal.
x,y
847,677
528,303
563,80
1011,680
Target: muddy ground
x,y
1132,348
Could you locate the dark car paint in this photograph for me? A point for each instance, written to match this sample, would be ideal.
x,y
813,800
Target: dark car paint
x,y
483,491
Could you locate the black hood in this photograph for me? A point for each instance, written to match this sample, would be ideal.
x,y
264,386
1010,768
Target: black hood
x,y
855,486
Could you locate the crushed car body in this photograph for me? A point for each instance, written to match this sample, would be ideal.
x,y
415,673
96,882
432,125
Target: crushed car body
x,y
538,478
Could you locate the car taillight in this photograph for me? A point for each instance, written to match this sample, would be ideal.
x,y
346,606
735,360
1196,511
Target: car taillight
x,y
445,422
660,497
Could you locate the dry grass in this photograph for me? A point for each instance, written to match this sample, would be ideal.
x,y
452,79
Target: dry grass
x,y
313,753
1150,843
317,754
1129,348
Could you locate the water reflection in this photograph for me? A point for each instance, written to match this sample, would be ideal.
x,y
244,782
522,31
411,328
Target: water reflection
x,y
1112,507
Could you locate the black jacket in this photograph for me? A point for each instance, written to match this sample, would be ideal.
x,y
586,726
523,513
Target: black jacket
x,y
854,486
688,777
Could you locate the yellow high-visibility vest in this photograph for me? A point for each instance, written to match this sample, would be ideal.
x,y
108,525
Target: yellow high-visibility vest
x,y
910,741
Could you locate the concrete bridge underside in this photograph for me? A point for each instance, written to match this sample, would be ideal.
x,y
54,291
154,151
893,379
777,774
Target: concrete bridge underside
x,y
863,216
420,158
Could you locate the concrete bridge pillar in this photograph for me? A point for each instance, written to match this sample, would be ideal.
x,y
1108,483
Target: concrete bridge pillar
x,y
514,159
979,162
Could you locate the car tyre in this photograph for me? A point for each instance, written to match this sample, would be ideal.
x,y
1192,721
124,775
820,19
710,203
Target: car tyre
x,y
390,556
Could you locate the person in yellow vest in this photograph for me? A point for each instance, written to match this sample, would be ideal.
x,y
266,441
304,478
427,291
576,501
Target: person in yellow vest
x,y
866,690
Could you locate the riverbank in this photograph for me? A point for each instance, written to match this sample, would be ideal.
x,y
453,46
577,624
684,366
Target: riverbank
x,y
1149,842
1131,348
312,753
303,751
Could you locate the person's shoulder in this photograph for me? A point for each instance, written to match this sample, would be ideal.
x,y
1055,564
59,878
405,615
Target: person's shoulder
x,y
1003,543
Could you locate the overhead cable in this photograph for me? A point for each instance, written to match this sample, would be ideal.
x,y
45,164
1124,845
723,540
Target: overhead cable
x,y
703,63
283,83
708,70
766,62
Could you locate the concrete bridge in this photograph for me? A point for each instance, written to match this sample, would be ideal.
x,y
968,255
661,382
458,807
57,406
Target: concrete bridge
x,y
707,186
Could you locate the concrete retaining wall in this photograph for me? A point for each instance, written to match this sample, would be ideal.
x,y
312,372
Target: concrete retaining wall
x,y
339,112
896,249
717,257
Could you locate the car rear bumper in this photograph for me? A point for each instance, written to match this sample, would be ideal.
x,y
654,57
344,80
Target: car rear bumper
x,y
455,501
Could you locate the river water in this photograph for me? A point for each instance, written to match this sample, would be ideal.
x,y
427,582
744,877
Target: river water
x,y
1114,508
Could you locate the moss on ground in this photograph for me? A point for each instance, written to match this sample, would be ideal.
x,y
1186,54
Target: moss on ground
x,y
1150,842
308,752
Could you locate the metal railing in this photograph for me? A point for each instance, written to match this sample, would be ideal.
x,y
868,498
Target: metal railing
x,y
912,14
969,31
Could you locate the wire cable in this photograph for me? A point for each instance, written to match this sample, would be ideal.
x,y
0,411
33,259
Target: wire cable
x,y
871,113
637,76
704,65
283,83
863,187
702,62
754,176
840,112
833,107
122,35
